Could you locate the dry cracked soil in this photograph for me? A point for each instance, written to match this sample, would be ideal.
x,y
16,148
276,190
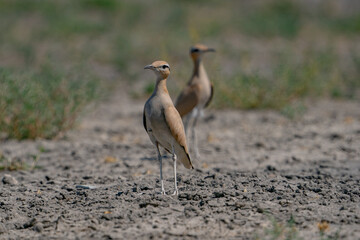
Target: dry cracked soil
x,y
259,175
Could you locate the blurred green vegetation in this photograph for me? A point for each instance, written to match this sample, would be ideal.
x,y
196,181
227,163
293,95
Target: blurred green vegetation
x,y
19,164
316,75
278,230
289,230
270,54
42,104
277,18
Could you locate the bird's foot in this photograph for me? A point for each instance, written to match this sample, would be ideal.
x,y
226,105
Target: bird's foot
x,y
163,192
197,154
176,192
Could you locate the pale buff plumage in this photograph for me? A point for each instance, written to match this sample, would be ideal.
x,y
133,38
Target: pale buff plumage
x,y
163,123
198,92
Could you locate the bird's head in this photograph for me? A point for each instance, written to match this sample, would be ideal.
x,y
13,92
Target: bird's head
x,y
160,68
198,50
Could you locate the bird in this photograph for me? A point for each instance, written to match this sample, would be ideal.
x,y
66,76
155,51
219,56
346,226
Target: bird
x,y
163,123
197,94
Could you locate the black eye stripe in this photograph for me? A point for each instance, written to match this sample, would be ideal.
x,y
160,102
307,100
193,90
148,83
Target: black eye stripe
x,y
165,66
195,50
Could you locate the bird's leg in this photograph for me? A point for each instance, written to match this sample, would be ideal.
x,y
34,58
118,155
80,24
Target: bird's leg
x,y
161,176
196,150
176,192
186,122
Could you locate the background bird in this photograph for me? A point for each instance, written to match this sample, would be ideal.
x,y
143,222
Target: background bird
x,y
163,123
197,94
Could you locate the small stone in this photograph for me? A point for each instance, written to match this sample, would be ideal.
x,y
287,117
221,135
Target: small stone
x,y
219,194
8,179
106,217
2,228
214,203
145,204
110,159
38,227
335,136
260,210
30,223
271,189
270,168
86,187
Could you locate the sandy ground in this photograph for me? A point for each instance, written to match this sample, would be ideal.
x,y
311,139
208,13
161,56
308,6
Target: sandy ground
x,y
256,168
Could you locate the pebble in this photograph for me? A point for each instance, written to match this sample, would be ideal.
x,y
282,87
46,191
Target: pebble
x,y
86,186
8,179
2,228
38,227
30,223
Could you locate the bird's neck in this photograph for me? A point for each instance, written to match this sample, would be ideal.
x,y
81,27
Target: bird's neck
x,y
198,67
160,86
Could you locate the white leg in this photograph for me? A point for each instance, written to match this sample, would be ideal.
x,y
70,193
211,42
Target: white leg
x,y
161,176
187,125
176,192
186,122
196,150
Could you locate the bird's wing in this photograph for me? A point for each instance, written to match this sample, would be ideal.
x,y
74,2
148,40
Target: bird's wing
x,y
144,120
188,99
175,124
211,96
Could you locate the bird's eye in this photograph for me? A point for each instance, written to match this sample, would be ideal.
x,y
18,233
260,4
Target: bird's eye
x,y
164,66
195,50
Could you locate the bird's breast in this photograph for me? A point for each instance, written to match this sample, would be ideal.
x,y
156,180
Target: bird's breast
x,y
204,91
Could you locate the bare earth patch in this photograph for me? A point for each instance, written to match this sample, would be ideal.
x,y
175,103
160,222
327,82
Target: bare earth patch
x,y
102,180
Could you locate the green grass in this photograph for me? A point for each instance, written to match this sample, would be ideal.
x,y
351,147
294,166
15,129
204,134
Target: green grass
x,y
279,52
288,230
42,104
279,230
316,76
17,164
347,24
275,18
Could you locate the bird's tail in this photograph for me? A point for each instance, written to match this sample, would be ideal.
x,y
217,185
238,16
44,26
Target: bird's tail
x,y
184,157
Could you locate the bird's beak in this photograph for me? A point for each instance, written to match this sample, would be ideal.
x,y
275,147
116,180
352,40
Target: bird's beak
x,y
210,50
149,67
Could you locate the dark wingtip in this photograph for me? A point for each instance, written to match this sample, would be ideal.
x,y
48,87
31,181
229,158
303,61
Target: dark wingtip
x,y
188,156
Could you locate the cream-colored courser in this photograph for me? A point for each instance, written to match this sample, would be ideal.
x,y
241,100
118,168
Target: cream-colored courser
x,y
163,123
197,94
